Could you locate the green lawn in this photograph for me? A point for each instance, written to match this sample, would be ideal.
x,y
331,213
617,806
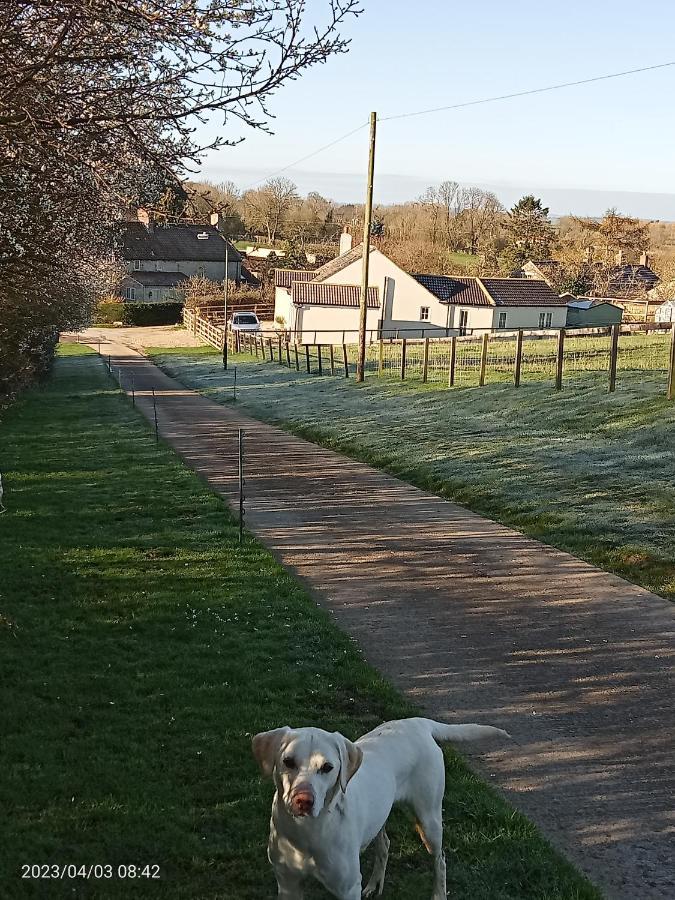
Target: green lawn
x,y
141,648
581,469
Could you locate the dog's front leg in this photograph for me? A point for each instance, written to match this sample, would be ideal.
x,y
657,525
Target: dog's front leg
x,y
290,884
376,883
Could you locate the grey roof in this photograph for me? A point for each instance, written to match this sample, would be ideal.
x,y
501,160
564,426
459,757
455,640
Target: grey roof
x,y
339,263
521,292
455,290
157,279
629,276
286,277
179,242
583,304
311,293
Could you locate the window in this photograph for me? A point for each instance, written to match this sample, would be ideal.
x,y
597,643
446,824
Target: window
x,y
130,293
463,320
424,313
545,320
502,320
137,265
149,294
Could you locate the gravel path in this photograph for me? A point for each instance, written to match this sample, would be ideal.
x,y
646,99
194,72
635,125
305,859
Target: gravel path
x,y
475,622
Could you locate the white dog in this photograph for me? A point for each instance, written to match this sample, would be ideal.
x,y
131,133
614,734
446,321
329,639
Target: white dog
x,y
333,798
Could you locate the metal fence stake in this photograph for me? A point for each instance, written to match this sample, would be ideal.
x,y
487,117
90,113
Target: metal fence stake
x,y
133,393
241,485
234,385
613,356
483,359
154,412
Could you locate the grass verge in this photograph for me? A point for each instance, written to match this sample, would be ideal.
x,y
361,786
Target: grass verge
x,y
141,648
584,471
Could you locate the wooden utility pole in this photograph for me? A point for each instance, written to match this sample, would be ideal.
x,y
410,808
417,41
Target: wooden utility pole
x,y
367,222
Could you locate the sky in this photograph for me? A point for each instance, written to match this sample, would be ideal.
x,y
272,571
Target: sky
x,y
582,149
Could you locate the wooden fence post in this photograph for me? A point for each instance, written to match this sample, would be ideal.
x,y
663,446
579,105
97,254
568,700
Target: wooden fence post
x,y
561,358
519,357
307,358
288,354
279,336
269,343
453,360
332,360
483,359
403,352
613,355
671,368
297,358
380,362
425,361
346,360
318,351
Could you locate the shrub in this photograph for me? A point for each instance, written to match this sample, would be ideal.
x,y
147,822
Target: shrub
x,y
165,313
108,311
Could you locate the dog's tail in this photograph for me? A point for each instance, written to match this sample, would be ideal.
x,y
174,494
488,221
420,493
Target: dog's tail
x,y
460,734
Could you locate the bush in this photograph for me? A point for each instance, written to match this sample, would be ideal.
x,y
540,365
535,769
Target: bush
x,y
108,311
166,313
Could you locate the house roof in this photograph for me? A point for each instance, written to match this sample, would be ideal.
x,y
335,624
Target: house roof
x,y
546,267
631,276
521,292
285,277
311,293
588,304
464,291
339,263
156,279
179,242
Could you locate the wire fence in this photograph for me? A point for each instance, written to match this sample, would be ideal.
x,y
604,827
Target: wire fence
x,y
476,359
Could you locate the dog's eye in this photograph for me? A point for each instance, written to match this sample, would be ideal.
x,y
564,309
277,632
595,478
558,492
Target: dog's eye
x,y
326,768
289,762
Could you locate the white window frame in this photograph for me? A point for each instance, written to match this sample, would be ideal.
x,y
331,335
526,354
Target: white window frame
x,y
424,313
463,321
502,320
137,265
130,293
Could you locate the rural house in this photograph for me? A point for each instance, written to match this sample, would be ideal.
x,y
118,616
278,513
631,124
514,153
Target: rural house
x,y
323,306
159,258
495,303
592,313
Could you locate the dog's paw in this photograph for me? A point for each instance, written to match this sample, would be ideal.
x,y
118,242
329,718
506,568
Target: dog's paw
x,y
373,888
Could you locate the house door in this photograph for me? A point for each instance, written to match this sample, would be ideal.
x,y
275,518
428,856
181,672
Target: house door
x,y
463,320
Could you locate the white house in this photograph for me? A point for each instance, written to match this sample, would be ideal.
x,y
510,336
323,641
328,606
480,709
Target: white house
x,y
665,312
322,306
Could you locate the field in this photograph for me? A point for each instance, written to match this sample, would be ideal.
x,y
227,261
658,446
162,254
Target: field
x,y
141,649
583,470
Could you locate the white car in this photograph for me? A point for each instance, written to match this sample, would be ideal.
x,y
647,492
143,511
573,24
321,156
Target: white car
x,y
244,321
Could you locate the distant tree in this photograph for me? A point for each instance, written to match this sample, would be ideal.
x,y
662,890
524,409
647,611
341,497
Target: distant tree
x,y
615,234
529,229
267,208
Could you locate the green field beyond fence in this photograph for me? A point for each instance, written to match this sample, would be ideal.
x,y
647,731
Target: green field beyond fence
x,y
482,359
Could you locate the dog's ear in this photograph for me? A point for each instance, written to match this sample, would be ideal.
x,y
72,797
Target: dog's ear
x,y
350,759
266,746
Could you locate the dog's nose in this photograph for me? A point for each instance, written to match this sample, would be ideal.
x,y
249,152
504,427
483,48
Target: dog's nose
x,y
302,803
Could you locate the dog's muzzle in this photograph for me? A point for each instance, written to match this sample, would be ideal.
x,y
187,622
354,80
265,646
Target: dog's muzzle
x,y
302,801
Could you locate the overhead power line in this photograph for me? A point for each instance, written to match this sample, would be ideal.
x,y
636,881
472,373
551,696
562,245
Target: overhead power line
x,y
466,103
309,156
541,90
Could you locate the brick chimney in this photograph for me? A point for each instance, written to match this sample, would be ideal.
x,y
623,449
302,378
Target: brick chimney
x,y
214,219
145,217
345,241
644,258
619,257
